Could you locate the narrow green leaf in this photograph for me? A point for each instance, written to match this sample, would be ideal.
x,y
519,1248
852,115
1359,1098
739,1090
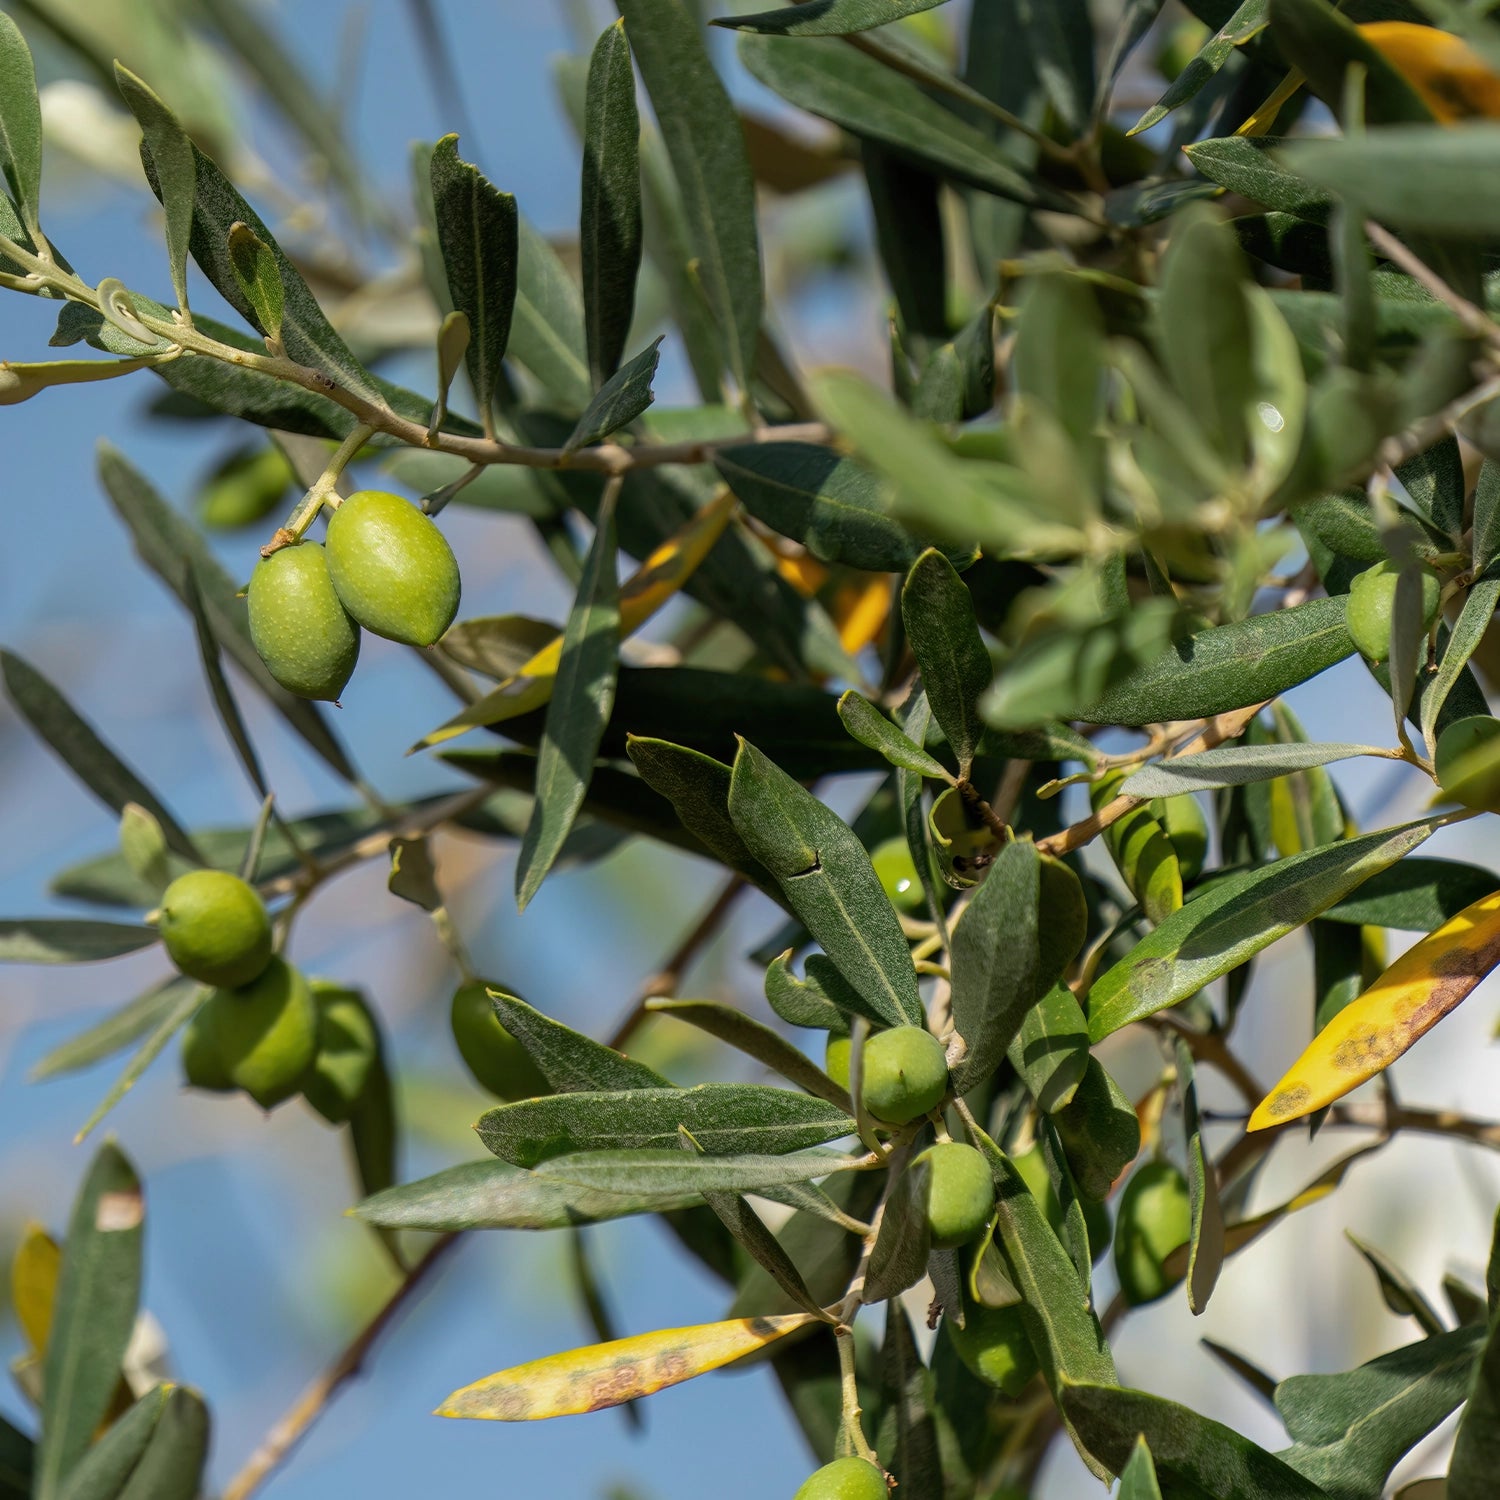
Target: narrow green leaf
x,y
609,232
143,846
1249,166
102,1472
1138,1479
1248,19
92,1317
1236,765
547,331
1476,1447
187,1002
20,124
66,940
1059,36
938,612
1417,895
115,1032
1351,1429
802,1002
16,1455
1253,1376
375,1139
621,399
259,278
1235,918
169,544
76,743
478,236
218,685
1206,1256
826,17
172,1466
907,1433
662,1171
1230,666
994,962
1189,1450
571,1062
722,1117
1397,1290
1486,539
831,79
495,1195
758,1041
1051,1050
582,696
902,1243
906,203
871,727
828,881
1100,1131
172,158
707,147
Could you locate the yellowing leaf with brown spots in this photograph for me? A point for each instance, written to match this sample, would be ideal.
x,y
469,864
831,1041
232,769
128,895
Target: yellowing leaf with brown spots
x,y
601,1375
1408,1000
1450,76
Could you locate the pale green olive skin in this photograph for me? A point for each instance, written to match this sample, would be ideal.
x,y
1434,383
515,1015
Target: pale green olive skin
x,y
265,1033
1154,1218
348,1044
836,1057
898,874
1372,602
844,1479
245,489
215,927
960,1193
995,1347
202,1065
392,568
904,1074
1477,784
302,633
497,1060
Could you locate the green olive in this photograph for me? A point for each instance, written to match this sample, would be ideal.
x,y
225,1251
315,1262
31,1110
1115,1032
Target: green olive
x,y
994,1346
245,488
497,1060
1372,603
836,1057
898,874
393,569
844,1479
202,1065
215,927
303,634
1468,762
960,1193
905,1074
1187,830
265,1032
1154,1219
1033,1170
347,1046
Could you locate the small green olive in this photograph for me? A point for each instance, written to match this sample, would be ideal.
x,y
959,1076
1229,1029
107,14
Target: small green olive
x,y
1155,1218
202,1065
836,1057
844,1479
994,1346
905,1074
393,569
265,1032
215,927
898,874
497,1060
302,633
1468,762
245,488
1187,830
960,1193
347,1046
1372,604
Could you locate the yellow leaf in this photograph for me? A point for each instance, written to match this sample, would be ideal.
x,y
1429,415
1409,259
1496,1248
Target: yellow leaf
x,y
642,594
1450,76
603,1375
33,1285
804,572
1407,1001
861,611
1261,122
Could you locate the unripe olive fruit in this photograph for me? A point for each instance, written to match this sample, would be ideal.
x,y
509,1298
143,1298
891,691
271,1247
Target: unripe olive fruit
x,y
905,1074
844,1479
1468,762
215,927
1372,602
960,1193
994,1346
202,1065
1033,1170
347,1045
836,1057
303,634
497,1060
1155,1218
1187,830
265,1032
393,569
246,487
898,874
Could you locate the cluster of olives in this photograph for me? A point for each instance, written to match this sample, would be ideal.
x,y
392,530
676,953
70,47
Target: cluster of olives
x,y
265,1029
385,567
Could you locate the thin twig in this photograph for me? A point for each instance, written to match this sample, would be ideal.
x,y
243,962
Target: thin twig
x,y
1472,317
310,1405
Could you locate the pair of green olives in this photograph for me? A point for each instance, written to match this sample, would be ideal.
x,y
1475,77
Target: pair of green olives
x,y
845,1479
385,567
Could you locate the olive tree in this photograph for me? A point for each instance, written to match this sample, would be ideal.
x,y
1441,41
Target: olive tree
x,y
1182,408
